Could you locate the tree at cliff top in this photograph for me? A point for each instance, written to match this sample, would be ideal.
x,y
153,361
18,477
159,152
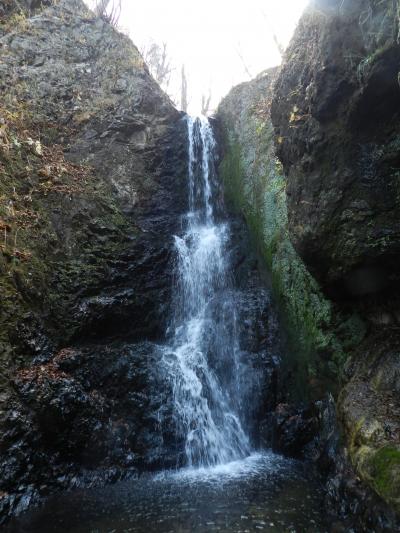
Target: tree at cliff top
x,y
157,59
109,11
184,97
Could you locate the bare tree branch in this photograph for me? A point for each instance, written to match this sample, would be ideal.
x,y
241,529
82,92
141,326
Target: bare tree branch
x,y
279,45
205,103
157,59
184,98
109,11
239,53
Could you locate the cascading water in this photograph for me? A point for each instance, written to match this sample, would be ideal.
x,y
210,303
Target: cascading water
x,y
211,374
204,320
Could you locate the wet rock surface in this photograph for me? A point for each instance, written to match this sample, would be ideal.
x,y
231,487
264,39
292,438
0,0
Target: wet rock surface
x,y
290,429
255,187
260,335
326,224
312,433
83,401
335,111
369,411
95,202
89,415
94,205
355,503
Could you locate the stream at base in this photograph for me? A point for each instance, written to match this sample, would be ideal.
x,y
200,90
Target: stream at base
x,y
263,492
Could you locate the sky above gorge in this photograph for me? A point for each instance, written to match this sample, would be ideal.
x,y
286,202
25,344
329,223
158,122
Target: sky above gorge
x,y
220,42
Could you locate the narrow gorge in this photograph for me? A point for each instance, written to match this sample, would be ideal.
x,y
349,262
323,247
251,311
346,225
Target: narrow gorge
x,y
199,327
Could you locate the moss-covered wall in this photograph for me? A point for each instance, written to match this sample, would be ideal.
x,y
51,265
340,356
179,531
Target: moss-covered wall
x,y
59,228
331,346
79,153
255,186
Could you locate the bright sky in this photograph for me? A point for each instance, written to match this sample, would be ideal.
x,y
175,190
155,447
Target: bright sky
x,y
209,36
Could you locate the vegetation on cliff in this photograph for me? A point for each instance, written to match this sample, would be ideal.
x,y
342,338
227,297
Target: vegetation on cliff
x,y
325,215
254,181
92,186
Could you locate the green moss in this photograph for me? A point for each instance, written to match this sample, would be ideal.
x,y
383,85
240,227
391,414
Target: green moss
x,y
255,186
385,474
56,244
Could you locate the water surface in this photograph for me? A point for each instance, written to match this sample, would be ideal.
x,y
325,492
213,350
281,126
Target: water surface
x,y
263,492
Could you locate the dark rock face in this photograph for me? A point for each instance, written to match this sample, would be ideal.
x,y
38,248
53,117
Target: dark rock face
x,y
357,505
101,404
88,289
369,411
105,188
105,249
307,431
336,113
312,433
290,429
260,334
89,415
335,110
117,120
255,186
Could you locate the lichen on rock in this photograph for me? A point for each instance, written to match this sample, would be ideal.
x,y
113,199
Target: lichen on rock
x,y
255,185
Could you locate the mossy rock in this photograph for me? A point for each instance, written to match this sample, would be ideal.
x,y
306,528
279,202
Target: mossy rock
x,y
385,473
381,469
256,187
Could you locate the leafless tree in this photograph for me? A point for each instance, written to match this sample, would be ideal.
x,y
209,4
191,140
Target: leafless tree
x,y
184,98
109,11
279,45
205,103
246,68
157,59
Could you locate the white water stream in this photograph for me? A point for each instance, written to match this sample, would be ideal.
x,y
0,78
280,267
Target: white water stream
x,y
205,320
226,487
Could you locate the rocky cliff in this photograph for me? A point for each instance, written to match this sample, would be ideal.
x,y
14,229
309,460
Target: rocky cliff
x,y
311,160
255,186
92,185
335,111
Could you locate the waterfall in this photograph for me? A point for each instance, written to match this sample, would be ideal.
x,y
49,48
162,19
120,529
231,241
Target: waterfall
x,y
202,355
